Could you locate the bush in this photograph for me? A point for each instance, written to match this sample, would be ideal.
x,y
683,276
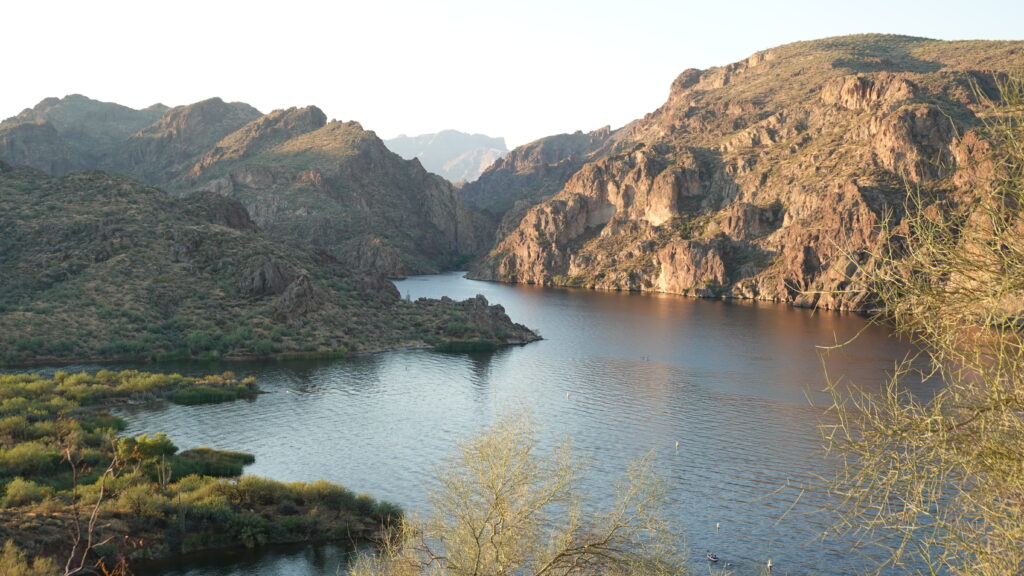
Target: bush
x,y
14,562
146,448
503,507
142,501
21,492
326,495
941,475
29,458
251,530
256,490
203,395
14,427
208,462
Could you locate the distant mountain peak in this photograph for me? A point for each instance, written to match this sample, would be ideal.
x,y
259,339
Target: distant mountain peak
x,y
454,155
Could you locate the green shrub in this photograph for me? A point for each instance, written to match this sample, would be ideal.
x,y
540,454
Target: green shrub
x,y
29,458
365,505
15,427
146,448
254,490
14,562
208,462
251,530
21,492
326,495
203,395
142,501
388,512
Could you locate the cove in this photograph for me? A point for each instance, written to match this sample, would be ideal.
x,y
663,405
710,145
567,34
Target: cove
x,y
623,375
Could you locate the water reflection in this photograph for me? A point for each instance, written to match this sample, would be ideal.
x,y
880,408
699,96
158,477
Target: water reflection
x,y
622,375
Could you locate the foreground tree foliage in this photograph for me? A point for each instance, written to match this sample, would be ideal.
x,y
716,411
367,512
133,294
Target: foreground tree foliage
x,y
505,508
940,481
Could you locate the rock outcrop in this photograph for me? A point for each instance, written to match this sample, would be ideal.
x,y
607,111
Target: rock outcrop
x,y
768,178
531,174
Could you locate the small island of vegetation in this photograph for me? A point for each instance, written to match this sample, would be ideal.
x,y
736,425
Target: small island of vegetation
x,y
78,495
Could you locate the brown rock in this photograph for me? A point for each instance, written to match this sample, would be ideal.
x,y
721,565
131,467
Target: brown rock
x,y
266,277
768,178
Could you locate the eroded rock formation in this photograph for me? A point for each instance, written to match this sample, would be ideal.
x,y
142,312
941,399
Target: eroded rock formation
x,y
768,178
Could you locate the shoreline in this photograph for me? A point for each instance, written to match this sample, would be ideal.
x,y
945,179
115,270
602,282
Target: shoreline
x,y
279,357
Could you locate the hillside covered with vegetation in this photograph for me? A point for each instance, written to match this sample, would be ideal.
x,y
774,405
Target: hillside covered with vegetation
x,y
103,267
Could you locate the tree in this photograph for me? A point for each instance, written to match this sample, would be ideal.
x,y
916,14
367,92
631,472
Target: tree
x,y
940,481
504,508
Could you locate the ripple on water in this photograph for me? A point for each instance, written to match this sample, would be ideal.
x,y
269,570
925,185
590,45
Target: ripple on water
x,y
728,382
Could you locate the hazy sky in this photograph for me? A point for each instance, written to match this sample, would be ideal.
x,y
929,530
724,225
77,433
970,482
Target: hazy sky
x,y
521,69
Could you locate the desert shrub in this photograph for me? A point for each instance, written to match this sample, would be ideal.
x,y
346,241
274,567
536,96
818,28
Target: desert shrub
x,y
365,505
15,427
254,490
146,448
21,492
29,458
251,530
142,501
208,462
13,562
941,475
326,495
43,429
203,395
503,507
388,512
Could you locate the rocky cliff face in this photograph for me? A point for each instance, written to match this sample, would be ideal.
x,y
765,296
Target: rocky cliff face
x,y
332,185
531,174
337,187
767,178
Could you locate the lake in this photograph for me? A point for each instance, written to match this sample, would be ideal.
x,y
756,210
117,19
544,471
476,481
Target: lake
x,y
622,375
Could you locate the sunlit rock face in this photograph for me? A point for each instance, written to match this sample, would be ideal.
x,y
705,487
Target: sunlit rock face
x,y
768,178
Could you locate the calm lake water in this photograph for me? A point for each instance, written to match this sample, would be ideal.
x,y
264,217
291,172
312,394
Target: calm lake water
x,y
622,375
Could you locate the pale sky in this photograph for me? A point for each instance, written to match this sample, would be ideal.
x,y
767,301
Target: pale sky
x,y
522,69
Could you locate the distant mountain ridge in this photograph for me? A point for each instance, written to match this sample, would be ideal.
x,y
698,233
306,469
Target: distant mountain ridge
x,y
330,184
454,155
767,179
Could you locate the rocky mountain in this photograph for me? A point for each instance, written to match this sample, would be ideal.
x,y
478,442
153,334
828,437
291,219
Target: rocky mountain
x,y
303,179
531,174
71,133
336,186
454,155
164,152
765,179
102,267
